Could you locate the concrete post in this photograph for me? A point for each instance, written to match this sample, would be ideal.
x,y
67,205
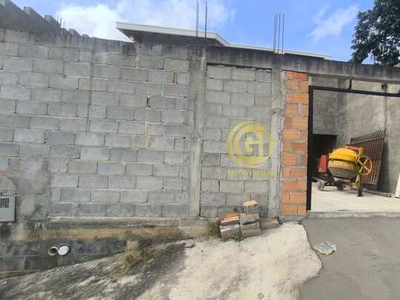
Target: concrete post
x,y
197,69
277,107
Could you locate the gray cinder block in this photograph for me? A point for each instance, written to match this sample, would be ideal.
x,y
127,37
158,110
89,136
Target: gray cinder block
x,y
59,138
63,82
104,71
219,72
82,167
8,149
106,196
139,169
29,136
46,95
110,168
62,109
47,66
64,152
134,196
72,124
123,154
93,181
64,180
89,139
15,93
31,108
95,153
17,64
35,51
75,195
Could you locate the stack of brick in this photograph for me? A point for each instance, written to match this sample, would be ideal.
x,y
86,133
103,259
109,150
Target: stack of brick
x,y
250,219
229,226
244,224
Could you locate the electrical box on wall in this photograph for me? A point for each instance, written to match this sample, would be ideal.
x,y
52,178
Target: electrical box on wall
x,y
7,208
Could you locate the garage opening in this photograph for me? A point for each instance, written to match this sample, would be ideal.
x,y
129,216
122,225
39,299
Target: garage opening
x,y
353,146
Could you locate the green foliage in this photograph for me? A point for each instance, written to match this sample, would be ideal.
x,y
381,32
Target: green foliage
x,y
377,33
237,238
132,259
136,257
213,229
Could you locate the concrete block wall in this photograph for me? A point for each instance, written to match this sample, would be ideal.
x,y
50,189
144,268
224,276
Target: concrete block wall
x,y
233,95
390,168
326,107
12,17
108,121
363,114
355,115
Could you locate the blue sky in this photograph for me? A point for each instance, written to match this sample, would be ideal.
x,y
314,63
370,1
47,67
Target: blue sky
x,y
317,26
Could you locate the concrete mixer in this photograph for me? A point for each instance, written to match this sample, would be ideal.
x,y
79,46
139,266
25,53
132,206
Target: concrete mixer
x,y
344,166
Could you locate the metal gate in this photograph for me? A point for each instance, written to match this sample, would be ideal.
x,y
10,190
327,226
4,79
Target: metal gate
x,y
373,147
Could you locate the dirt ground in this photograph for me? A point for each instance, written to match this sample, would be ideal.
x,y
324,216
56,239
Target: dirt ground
x,y
270,266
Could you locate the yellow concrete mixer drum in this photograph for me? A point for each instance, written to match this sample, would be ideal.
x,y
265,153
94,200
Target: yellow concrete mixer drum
x,y
348,162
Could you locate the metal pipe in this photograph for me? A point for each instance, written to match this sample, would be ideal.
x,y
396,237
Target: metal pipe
x,y
275,23
197,18
63,250
279,31
205,25
283,30
53,251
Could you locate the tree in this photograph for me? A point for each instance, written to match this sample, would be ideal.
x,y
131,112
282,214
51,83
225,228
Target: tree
x,y
377,33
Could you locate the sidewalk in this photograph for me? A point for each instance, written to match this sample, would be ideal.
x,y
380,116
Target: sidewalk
x,y
366,265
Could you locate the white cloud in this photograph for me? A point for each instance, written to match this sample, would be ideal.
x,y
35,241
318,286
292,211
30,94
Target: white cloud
x,y
99,20
320,15
333,24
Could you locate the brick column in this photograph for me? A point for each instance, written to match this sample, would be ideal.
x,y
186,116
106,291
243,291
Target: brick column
x,y
294,152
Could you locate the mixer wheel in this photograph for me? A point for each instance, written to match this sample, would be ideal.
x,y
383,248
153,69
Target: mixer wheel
x,y
320,185
340,186
364,165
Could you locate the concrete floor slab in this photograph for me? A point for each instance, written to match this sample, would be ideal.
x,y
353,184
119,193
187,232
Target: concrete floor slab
x,y
366,265
330,199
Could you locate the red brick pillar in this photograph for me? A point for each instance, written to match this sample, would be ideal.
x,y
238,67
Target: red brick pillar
x,y
294,154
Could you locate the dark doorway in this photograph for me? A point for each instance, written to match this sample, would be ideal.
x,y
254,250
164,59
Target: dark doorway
x,y
322,144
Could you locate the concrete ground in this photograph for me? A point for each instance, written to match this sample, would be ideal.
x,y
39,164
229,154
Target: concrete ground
x,y
330,199
366,264
271,266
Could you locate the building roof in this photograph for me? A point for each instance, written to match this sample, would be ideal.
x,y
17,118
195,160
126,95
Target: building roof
x,y
158,34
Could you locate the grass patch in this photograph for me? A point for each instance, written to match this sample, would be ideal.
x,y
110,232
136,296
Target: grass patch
x,y
213,229
136,257
237,238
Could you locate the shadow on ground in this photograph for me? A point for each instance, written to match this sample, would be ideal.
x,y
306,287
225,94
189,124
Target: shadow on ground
x,y
99,279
